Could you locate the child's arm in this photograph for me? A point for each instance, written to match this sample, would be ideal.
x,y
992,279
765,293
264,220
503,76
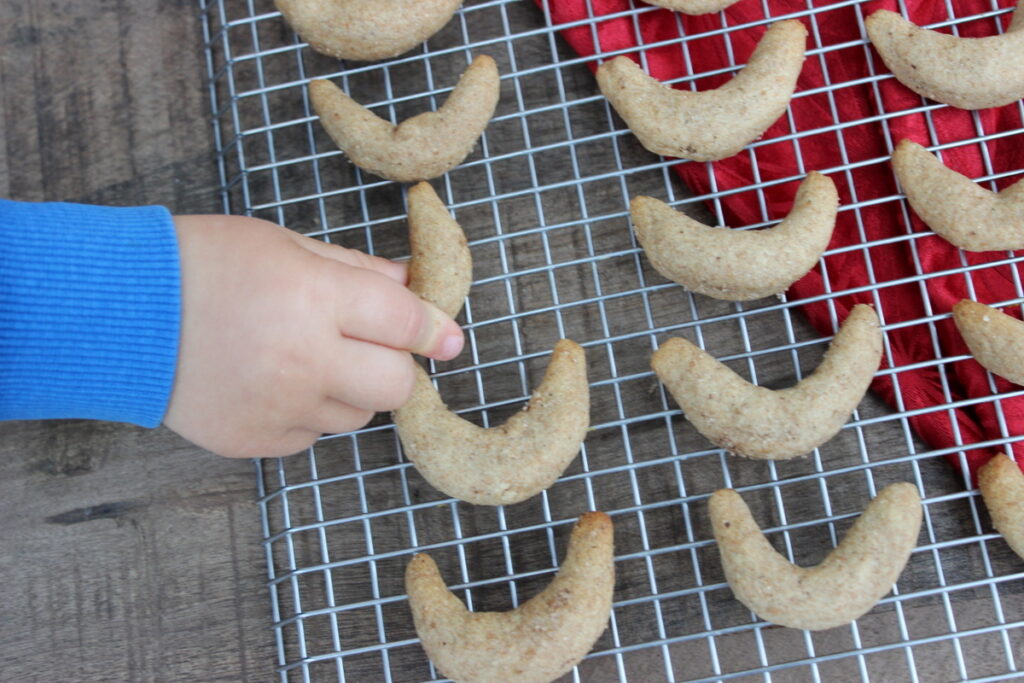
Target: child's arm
x,y
252,344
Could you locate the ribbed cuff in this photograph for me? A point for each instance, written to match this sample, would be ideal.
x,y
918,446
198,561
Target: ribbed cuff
x,y
90,313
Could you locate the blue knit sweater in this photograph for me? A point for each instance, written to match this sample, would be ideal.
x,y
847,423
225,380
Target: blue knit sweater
x,y
89,312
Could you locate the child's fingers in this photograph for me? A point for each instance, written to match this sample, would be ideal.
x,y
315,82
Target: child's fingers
x,y
391,269
369,376
335,417
376,309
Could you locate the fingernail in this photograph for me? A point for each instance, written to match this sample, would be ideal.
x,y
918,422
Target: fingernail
x,y
441,336
451,346
399,271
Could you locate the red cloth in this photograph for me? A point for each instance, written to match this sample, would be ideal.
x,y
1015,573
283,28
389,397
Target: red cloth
x,y
863,142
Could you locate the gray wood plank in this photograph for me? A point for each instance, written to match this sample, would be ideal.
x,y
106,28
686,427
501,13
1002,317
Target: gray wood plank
x,y
126,554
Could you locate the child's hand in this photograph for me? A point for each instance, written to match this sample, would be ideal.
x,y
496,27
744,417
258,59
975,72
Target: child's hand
x,y
284,338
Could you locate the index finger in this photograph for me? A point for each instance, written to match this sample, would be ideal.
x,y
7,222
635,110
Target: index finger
x,y
392,269
372,307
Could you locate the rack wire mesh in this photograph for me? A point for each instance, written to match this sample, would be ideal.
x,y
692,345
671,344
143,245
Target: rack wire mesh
x,y
544,203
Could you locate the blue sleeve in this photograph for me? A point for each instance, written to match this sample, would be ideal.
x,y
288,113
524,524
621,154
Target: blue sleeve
x,y
89,312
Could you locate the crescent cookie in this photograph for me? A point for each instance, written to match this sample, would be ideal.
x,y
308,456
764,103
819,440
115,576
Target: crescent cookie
x,y
365,30
508,463
967,73
504,464
441,267
995,339
714,124
847,583
422,147
957,209
757,422
738,265
536,643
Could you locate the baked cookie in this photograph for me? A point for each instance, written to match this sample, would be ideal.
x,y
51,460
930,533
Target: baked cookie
x,y
536,643
508,463
996,340
422,147
845,586
738,265
958,210
366,30
693,6
441,268
1002,486
714,124
967,73
760,423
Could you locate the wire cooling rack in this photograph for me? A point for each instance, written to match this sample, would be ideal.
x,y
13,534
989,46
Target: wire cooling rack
x,y
544,203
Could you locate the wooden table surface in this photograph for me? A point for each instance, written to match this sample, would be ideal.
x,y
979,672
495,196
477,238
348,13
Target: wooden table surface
x,y
131,555
125,554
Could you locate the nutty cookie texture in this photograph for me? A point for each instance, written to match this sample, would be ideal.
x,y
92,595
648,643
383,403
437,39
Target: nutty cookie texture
x,y
693,7
714,124
441,268
958,210
486,466
847,583
365,30
422,147
995,339
967,73
760,423
738,265
538,642
508,463
1002,486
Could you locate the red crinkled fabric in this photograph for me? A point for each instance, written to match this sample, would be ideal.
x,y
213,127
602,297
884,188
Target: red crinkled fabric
x,y
837,56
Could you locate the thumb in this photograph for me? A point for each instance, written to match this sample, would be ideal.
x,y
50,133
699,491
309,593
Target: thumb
x,y
374,308
439,337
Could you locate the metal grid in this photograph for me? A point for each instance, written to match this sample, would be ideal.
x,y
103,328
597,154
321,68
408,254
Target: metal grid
x,y
544,202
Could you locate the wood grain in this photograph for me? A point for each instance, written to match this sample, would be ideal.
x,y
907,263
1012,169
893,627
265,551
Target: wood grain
x,y
125,554
130,555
